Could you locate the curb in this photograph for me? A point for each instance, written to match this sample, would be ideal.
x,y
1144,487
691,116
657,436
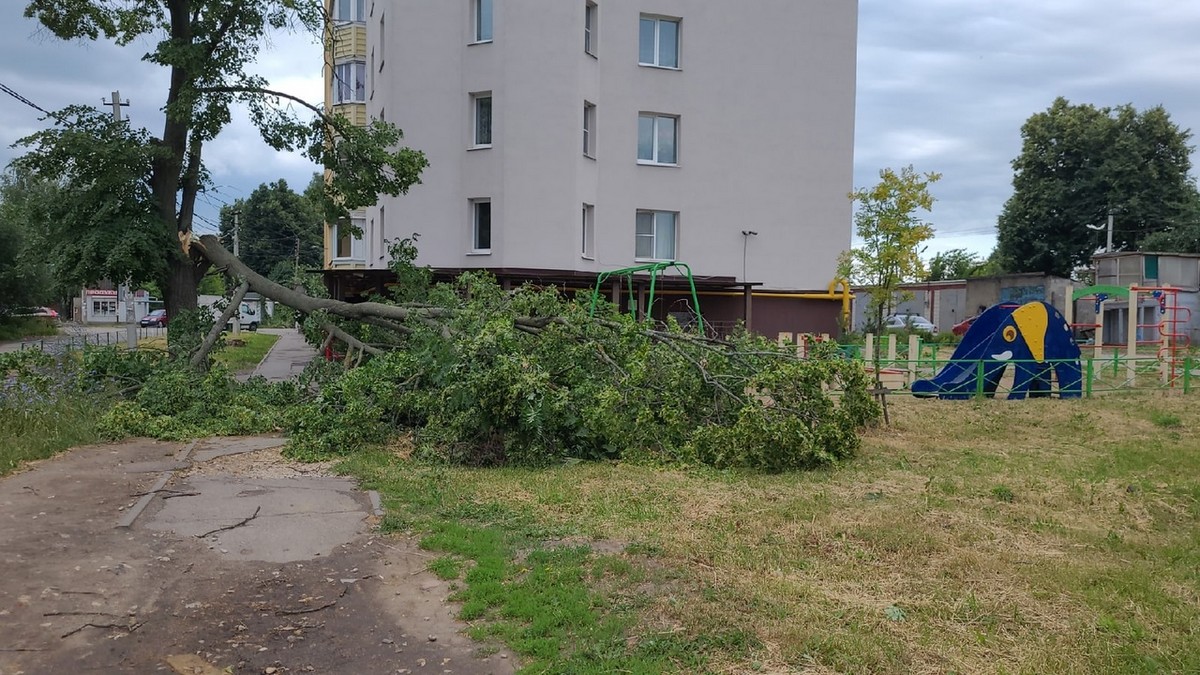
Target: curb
x,y
133,513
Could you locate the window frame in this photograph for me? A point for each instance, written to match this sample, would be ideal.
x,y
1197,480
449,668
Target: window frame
x,y
655,236
476,211
658,21
357,242
589,129
481,10
654,156
354,84
357,11
587,248
477,100
591,33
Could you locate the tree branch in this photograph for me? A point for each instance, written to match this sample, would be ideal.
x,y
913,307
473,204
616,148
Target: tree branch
x,y
268,92
215,332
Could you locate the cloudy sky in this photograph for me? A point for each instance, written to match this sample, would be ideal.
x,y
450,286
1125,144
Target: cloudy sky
x,y
942,84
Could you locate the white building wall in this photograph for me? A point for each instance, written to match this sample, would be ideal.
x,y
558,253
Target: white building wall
x,y
765,95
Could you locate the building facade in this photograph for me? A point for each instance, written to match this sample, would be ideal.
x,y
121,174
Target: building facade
x,y
571,137
345,74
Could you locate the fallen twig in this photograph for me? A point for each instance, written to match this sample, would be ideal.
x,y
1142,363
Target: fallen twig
x,y
79,614
150,492
181,494
307,610
123,626
22,649
230,527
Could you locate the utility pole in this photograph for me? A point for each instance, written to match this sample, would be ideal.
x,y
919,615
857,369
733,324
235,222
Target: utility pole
x,y
1109,247
237,249
125,291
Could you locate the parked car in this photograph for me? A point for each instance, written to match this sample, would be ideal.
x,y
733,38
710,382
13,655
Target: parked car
x,y
914,322
247,318
156,318
37,312
963,326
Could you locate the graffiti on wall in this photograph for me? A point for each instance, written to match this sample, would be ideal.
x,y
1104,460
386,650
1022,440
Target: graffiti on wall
x,y
1022,294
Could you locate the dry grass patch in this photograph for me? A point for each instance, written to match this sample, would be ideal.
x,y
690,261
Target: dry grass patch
x,y
993,536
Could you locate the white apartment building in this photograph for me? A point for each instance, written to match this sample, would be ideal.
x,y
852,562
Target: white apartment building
x,y
571,137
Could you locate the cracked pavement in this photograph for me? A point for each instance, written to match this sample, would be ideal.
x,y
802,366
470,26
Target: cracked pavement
x,y
291,577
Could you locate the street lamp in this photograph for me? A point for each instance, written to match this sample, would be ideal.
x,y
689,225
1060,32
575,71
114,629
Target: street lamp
x,y
746,234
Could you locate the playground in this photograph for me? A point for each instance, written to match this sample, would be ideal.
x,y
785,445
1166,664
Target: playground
x,y
1050,353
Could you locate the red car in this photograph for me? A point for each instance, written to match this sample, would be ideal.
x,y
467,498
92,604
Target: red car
x,y
156,318
963,326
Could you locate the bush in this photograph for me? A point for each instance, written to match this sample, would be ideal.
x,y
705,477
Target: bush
x,y
179,403
490,391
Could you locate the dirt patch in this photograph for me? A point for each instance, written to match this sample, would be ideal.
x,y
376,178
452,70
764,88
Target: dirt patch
x,y
80,594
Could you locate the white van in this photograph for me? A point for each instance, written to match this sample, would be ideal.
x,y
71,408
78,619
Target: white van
x,y
247,318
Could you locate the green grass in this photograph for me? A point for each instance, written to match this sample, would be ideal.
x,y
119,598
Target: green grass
x,y
248,355
27,435
237,358
992,536
16,328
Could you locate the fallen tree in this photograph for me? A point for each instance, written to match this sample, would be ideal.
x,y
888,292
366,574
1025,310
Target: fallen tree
x,y
480,375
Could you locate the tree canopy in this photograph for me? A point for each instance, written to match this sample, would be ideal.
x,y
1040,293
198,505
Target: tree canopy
x,y
892,235
133,195
26,266
277,227
957,263
1079,163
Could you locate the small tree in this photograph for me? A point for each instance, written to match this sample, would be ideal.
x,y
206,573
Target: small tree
x,y
892,235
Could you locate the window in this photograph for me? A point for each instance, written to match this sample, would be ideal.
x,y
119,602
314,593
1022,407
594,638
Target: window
x,y
382,232
383,39
104,308
371,73
589,129
483,119
483,20
481,226
658,42
350,10
350,82
655,235
588,232
658,138
347,244
589,28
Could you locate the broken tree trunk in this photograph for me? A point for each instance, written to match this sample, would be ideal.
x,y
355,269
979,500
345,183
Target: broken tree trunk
x,y
214,333
212,249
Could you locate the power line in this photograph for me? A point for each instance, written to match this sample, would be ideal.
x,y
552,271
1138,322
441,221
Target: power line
x,y
6,89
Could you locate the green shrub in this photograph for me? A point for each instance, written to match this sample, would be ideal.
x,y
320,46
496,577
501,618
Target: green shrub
x,y
180,403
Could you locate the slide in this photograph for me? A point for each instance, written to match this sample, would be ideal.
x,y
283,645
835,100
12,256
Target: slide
x,y
1034,337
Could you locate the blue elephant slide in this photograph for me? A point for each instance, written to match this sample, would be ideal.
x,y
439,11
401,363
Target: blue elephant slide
x,y
1033,337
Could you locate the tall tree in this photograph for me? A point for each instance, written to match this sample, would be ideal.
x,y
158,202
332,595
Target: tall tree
x,y
276,225
26,277
133,196
1079,163
892,234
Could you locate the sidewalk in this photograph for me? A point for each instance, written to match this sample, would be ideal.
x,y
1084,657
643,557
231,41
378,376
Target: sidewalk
x,y
287,357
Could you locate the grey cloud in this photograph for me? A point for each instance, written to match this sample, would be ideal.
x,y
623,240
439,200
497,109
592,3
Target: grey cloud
x,y
946,85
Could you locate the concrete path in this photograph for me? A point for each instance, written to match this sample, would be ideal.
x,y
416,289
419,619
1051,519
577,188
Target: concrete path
x,y
287,357
219,556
